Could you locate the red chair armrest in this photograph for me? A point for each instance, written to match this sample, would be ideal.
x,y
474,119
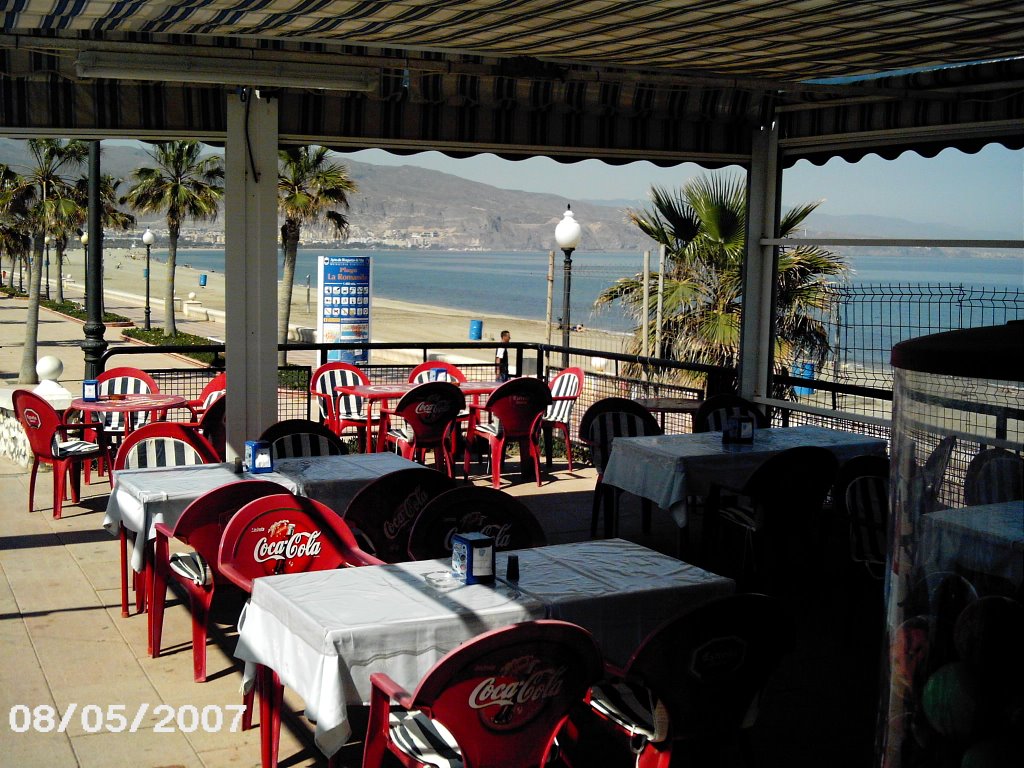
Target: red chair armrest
x,y
362,558
381,682
163,530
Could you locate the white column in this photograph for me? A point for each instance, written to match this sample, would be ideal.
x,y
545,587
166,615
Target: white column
x,y
250,268
757,334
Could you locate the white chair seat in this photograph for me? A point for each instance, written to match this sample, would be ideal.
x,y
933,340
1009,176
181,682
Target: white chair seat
x,y
425,740
489,428
633,708
192,566
74,447
401,433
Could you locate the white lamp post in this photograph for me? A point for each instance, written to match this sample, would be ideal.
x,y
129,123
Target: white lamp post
x,y
567,235
85,263
147,238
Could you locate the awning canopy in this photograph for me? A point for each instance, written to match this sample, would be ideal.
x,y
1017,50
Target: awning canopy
x,y
619,81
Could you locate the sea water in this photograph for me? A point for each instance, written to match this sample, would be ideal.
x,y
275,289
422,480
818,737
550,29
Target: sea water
x,y
515,284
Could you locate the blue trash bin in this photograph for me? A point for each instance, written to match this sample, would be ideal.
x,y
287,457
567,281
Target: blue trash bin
x,y
202,280
804,371
476,330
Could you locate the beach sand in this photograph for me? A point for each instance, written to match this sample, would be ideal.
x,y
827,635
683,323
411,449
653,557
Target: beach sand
x,y
391,320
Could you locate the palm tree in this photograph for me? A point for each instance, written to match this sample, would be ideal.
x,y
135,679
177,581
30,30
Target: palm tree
x,y
14,238
702,226
50,203
309,186
184,185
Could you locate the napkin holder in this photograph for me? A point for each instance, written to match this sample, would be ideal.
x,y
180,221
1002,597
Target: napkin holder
x,y
473,558
90,390
738,430
258,458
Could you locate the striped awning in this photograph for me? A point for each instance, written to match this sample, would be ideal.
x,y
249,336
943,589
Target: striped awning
x,y
619,81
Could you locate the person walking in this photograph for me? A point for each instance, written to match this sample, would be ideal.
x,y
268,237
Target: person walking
x,y
501,358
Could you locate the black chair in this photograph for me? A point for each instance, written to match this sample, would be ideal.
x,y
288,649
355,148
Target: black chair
x,y
302,437
688,693
715,412
382,513
778,513
601,423
473,508
994,475
861,501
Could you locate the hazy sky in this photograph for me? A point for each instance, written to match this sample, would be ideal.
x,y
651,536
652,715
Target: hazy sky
x,y
984,191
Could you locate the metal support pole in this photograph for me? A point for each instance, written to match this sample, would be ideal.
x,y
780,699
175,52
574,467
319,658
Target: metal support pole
x,y
94,346
146,325
567,287
46,262
551,287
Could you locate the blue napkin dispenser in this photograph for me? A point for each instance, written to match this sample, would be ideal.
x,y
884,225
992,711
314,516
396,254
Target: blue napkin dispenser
x,y
90,390
739,430
257,457
473,558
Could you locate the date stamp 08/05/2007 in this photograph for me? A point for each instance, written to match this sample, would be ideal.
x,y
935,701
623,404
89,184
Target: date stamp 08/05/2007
x,y
116,718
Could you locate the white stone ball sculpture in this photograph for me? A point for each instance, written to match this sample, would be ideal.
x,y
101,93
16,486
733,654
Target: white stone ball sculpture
x,y
49,368
191,295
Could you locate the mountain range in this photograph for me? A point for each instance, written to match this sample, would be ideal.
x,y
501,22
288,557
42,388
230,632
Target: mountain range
x,y
408,203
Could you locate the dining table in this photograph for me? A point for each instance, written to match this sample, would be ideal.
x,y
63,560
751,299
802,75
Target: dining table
x,y
383,394
986,539
157,403
670,469
325,632
141,498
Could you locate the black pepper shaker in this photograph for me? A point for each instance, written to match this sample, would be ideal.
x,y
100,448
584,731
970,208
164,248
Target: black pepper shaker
x,y
512,568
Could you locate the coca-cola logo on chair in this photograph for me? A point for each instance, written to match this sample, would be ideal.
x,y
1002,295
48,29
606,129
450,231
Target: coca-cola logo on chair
x,y
287,547
32,419
434,409
513,697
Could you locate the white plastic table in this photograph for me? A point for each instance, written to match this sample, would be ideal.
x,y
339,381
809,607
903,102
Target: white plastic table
x,y
669,468
325,632
144,497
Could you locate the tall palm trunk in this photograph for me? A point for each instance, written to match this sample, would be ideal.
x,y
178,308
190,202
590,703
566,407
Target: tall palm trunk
x,y
172,260
284,298
60,273
12,270
28,373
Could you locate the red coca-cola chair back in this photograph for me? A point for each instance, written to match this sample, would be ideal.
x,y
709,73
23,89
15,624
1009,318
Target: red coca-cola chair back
x,y
429,410
503,696
383,512
285,534
473,508
518,405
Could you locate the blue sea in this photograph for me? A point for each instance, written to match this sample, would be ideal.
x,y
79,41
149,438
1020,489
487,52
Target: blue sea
x,y
514,284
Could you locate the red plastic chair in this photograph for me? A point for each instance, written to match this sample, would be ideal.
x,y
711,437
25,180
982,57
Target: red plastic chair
x,y
160,444
110,425
48,437
690,689
430,412
565,391
383,512
341,412
501,698
430,370
200,527
214,388
516,409
256,542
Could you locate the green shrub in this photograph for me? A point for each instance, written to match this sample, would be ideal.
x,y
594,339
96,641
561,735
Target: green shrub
x,y
157,338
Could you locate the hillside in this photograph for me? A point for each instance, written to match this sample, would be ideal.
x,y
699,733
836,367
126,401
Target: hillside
x,y
406,205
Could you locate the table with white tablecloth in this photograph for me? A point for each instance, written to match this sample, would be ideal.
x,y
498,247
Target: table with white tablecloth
x,y
141,498
325,632
667,469
986,539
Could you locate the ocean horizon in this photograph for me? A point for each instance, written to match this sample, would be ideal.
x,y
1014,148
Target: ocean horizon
x,y
515,284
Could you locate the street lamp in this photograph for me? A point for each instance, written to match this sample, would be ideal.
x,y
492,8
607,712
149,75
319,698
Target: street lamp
x,y
567,235
147,238
46,261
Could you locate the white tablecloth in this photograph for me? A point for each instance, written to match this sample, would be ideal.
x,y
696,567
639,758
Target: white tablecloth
x,y
144,497
987,538
668,468
325,633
